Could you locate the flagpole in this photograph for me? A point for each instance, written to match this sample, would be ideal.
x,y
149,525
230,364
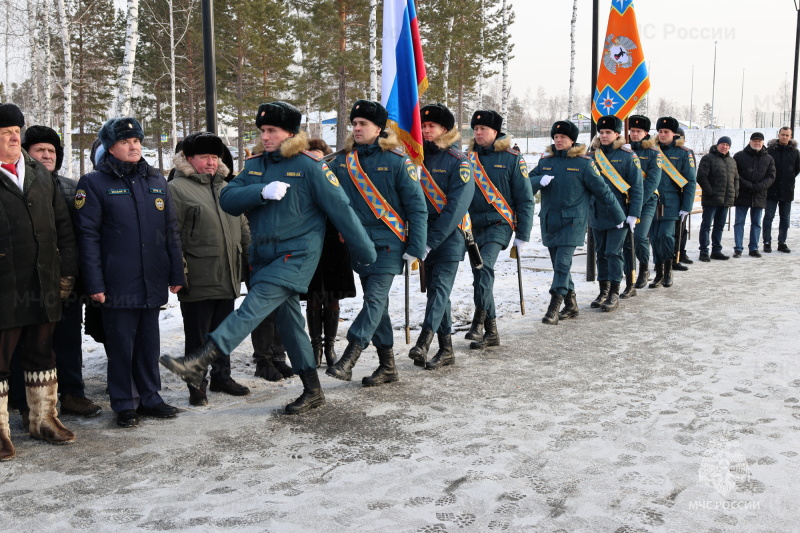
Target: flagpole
x,y
591,268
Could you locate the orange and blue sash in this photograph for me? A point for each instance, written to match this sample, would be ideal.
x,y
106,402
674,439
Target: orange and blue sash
x,y
436,197
490,192
374,199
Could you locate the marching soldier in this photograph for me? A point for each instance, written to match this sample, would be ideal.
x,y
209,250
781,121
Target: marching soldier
x,y
675,197
567,179
650,161
383,187
620,166
287,193
502,203
448,186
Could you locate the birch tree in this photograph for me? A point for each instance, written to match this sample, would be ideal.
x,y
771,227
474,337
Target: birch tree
x,y
504,89
66,87
373,49
125,87
570,103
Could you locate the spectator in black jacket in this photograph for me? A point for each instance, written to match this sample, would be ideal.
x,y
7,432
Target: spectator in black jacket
x,y
779,197
718,177
756,173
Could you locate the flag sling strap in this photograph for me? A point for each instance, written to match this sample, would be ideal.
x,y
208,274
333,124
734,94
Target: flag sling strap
x,y
374,199
671,171
437,198
490,192
610,172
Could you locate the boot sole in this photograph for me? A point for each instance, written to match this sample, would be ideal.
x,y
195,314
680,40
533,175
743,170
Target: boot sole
x,y
377,383
305,408
343,377
440,365
473,336
181,371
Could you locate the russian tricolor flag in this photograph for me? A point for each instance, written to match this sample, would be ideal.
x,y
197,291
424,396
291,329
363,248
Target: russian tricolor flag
x,y
404,78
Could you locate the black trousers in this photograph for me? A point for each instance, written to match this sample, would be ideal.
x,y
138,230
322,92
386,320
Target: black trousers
x,y
27,348
200,319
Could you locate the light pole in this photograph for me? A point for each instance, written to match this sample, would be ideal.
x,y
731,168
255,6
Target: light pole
x,y
713,85
796,56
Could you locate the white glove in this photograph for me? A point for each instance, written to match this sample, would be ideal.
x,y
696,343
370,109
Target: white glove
x,y
274,191
409,258
683,214
626,146
427,251
547,178
631,222
621,225
519,243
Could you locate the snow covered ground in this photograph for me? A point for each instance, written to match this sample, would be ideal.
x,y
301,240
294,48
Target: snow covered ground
x,y
678,412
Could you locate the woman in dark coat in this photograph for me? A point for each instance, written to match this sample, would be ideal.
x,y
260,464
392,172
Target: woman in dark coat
x,y
332,281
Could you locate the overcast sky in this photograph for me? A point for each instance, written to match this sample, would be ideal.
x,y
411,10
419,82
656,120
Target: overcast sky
x,y
758,36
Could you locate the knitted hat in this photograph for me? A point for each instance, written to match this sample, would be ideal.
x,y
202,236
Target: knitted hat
x,y
724,140
10,115
609,122
565,127
118,129
488,118
667,123
372,111
439,114
639,121
279,114
43,134
203,142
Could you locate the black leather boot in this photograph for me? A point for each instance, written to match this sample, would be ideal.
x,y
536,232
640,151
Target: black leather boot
x,y
630,288
343,368
314,319
445,355
658,281
644,275
570,309
279,356
597,302
551,316
678,266
266,370
192,368
312,394
419,353
668,274
386,371
612,300
330,323
475,332
490,336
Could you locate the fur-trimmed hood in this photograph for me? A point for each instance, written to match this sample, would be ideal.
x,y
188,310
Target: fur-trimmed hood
x,y
390,142
575,151
679,141
648,142
618,142
775,144
501,144
448,139
186,169
294,145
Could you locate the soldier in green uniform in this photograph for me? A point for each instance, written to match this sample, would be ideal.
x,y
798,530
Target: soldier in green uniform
x,y
448,186
650,160
287,194
383,187
675,197
621,169
567,179
502,203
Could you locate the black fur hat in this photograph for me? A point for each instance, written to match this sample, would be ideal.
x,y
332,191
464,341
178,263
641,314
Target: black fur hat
x,y
117,129
439,114
639,121
10,115
372,111
565,127
667,123
488,118
279,114
43,134
609,122
203,142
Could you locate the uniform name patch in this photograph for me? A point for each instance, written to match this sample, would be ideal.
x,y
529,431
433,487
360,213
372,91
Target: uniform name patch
x,y
119,191
547,168
157,191
499,166
295,174
439,171
255,173
382,169
574,169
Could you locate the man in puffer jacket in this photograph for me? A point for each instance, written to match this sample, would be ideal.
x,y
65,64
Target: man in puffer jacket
x,y
780,196
756,173
719,179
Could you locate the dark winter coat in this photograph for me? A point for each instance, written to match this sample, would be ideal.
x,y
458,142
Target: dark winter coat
x,y
565,200
452,172
787,167
756,175
626,162
128,238
37,247
395,177
213,241
718,177
651,162
286,234
333,279
508,172
673,198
